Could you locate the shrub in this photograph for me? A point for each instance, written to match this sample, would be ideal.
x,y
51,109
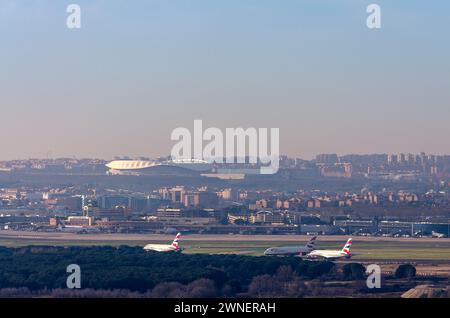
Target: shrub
x,y
405,271
354,271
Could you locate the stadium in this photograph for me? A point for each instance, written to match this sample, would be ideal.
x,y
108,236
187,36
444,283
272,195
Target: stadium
x,y
142,167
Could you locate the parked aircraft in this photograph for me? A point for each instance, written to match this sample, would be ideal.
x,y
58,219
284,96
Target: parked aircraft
x,y
292,250
333,254
174,247
437,235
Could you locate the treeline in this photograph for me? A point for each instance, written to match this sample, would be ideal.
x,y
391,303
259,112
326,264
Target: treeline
x,y
153,274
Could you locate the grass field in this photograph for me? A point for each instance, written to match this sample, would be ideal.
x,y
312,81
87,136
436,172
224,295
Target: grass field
x,y
367,250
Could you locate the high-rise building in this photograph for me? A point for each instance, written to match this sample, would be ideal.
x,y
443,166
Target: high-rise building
x,y
390,158
400,158
410,158
200,198
114,201
229,194
177,194
434,169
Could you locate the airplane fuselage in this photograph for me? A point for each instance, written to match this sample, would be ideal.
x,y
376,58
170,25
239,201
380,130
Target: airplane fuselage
x,y
328,254
160,248
286,251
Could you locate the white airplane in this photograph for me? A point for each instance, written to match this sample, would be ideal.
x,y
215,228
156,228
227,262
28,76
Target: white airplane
x,y
174,247
333,254
437,235
292,250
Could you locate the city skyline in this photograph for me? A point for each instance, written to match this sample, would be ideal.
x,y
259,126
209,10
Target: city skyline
x,y
133,73
414,156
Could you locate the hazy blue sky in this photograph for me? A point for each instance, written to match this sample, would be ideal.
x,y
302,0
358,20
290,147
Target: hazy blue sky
x,y
138,69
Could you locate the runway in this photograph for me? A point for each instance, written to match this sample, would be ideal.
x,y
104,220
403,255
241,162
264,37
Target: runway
x,y
45,236
429,255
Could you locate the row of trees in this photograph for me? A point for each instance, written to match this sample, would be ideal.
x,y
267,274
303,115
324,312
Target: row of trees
x,y
356,271
134,272
131,268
